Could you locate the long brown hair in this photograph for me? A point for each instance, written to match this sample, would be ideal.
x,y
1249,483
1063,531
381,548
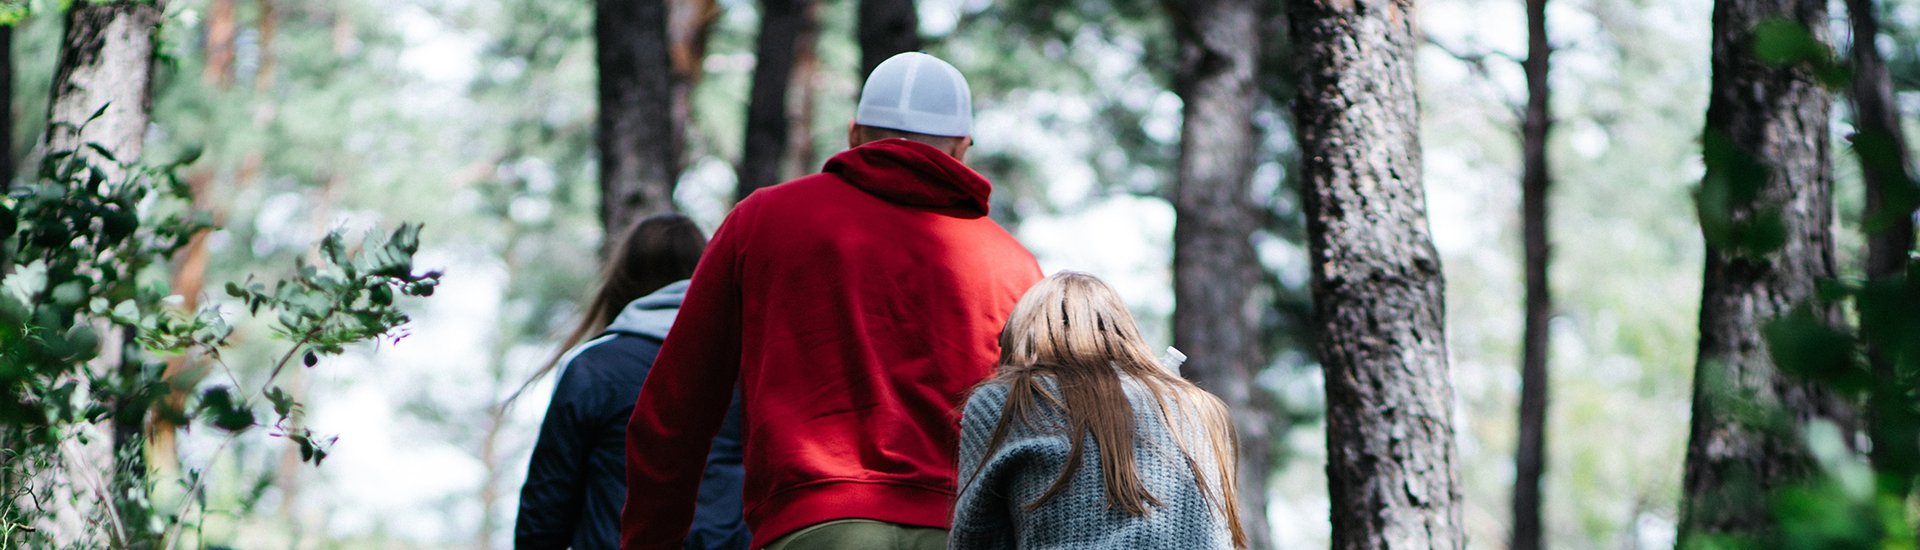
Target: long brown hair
x,y
1073,328
651,254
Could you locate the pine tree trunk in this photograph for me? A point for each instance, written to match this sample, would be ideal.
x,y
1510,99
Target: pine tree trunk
x,y
1885,165
6,133
1885,161
798,158
1392,464
218,71
1887,169
269,27
887,28
782,23
1766,134
190,267
6,119
639,163
1530,456
689,25
106,61
7,167
1216,273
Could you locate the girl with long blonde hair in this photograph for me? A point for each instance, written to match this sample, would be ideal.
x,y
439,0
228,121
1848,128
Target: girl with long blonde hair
x,y
1082,439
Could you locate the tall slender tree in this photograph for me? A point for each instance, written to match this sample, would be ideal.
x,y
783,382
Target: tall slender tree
x,y
221,28
6,129
190,265
1216,273
6,113
1887,168
1391,460
887,27
639,161
99,109
804,85
782,25
689,25
1766,206
1530,457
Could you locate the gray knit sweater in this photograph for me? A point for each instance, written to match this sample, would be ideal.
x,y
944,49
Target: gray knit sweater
x,y
990,511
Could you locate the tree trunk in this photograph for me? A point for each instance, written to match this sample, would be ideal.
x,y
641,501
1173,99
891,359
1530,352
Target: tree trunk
x,y
1766,140
269,27
1391,461
798,158
638,162
887,27
689,25
1530,457
1216,274
782,23
106,60
6,135
190,269
106,67
1885,166
6,120
1884,159
218,71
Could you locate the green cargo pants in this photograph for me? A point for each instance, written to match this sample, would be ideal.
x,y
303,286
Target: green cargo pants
x,y
862,534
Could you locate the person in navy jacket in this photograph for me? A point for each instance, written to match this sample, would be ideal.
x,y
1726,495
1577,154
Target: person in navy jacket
x,y
576,480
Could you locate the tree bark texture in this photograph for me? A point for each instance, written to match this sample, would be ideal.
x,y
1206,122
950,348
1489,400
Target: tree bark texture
x,y
106,60
887,27
1885,164
782,23
798,159
1377,284
106,67
1530,456
639,164
1215,269
1747,416
1885,160
689,25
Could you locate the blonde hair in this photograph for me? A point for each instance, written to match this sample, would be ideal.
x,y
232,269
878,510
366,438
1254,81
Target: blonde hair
x,y
1073,328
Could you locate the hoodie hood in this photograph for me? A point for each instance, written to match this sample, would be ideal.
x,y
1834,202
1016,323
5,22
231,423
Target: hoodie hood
x,y
915,174
651,315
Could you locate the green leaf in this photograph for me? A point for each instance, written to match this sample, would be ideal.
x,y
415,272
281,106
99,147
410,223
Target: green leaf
x,y
9,222
1784,42
282,401
1804,344
97,113
225,411
83,343
102,150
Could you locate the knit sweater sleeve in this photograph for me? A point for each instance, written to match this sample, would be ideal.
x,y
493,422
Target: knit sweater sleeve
x,y
984,510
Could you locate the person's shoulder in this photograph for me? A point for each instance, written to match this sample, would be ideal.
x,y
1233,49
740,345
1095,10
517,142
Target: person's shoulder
x,y
988,398
613,356
803,188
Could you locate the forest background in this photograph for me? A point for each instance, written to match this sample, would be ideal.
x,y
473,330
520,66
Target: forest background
x,y
478,119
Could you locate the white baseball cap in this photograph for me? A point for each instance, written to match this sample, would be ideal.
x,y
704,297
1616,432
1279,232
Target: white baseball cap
x,y
919,93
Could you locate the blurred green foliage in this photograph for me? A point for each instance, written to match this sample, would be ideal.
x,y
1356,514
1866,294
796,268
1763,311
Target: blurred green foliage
x,y
85,273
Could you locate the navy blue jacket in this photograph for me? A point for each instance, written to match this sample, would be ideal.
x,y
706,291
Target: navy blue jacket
x,y
576,481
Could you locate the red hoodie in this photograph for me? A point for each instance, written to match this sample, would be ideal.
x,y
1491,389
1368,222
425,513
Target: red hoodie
x,y
855,308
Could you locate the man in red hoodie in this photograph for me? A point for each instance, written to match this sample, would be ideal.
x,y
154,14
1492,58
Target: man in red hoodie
x,y
855,308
